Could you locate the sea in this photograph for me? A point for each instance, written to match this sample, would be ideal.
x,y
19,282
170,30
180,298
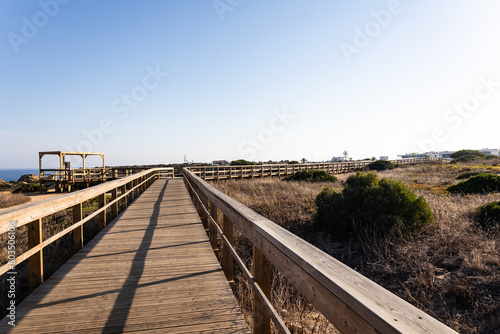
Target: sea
x,y
14,174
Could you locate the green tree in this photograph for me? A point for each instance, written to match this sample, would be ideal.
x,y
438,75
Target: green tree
x,y
241,162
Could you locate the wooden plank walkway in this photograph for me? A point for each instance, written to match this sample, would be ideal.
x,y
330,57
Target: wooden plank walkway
x,y
151,270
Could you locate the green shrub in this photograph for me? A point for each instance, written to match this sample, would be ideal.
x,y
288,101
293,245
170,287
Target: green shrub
x,y
5,186
462,153
488,215
311,176
241,162
468,175
479,184
467,156
22,187
381,165
367,204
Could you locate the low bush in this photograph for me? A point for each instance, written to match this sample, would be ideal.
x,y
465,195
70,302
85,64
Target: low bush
x,y
22,187
371,206
241,162
467,156
468,175
311,176
479,184
462,153
5,186
381,165
488,215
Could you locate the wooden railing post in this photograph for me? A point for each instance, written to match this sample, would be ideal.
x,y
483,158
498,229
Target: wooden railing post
x,y
35,261
204,218
262,275
227,257
130,185
212,228
77,232
123,190
114,207
102,215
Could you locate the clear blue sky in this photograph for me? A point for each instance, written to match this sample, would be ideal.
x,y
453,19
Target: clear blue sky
x,y
151,81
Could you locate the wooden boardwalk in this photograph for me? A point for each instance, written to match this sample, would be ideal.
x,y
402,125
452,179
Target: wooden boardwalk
x,y
151,270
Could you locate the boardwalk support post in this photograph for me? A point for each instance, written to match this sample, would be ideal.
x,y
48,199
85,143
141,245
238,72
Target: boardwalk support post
x,y
212,229
35,261
262,275
204,218
123,190
102,215
77,232
114,207
227,257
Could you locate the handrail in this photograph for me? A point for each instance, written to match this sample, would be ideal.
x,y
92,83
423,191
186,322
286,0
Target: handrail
x,y
31,214
280,170
250,278
350,301
90,174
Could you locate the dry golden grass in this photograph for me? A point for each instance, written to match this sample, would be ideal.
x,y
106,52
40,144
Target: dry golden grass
x,y
8,199
450,269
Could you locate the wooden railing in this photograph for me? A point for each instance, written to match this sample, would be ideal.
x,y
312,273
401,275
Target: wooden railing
x,y
91,174
32,214
350,301
282,170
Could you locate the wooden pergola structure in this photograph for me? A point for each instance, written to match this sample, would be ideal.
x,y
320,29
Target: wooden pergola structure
x,y
63,154
65,176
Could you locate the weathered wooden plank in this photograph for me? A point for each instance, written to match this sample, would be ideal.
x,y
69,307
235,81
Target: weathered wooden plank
x,y
151,269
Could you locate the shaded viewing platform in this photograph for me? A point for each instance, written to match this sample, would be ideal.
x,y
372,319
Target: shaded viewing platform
x,y
151,270
66,177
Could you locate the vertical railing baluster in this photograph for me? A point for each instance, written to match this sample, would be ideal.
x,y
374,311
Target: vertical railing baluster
x,y
114,207
262,276
227,256
212,229
102,215
35,262
77,232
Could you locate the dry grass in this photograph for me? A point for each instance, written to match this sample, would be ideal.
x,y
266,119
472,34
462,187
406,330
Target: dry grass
x,y
450,269
8,199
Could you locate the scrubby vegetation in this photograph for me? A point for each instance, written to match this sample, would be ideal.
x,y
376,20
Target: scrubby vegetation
x,y
7,200
449,269
488,215
311,176
381,165
20,187
371,206
23,187
468,175
470,155
241,162
479,184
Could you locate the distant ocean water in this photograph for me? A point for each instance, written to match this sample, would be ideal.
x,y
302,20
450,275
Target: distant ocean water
x,y
14,174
